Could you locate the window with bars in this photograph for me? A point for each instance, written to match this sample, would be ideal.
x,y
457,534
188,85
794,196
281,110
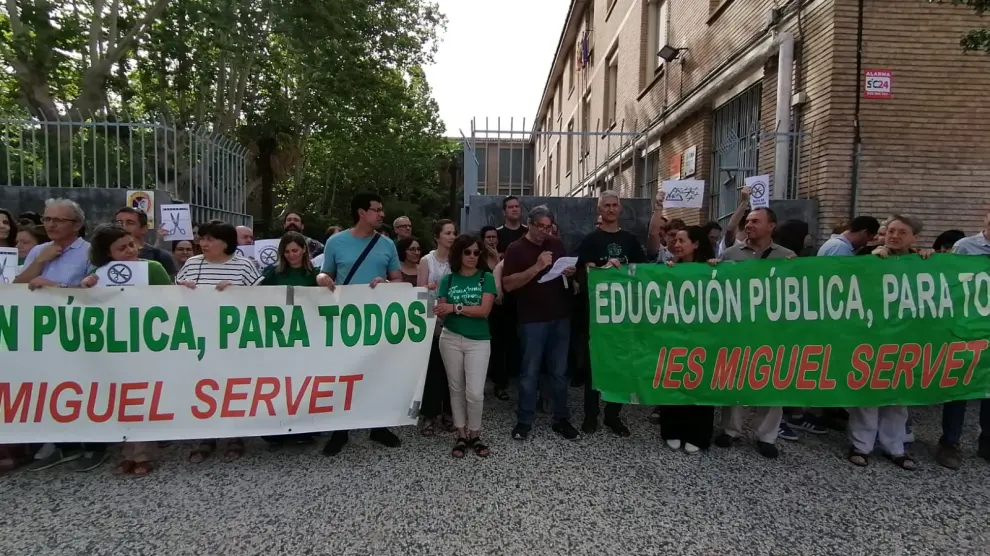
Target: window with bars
x,y
735,149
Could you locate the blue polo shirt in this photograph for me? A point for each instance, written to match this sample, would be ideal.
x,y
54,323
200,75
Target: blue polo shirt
x,y
69,268
343,249
837,246
972,245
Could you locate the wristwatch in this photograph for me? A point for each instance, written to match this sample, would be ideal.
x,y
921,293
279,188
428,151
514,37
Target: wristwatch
x,y
458,309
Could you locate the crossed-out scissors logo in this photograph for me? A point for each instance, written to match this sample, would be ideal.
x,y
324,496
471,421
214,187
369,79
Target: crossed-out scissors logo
x,y
758,189
268,256
119,274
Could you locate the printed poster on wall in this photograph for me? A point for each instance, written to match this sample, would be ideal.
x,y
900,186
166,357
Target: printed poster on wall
x,y
690,162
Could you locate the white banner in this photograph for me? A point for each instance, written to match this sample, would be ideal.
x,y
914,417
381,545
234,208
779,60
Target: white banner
x,y
160,363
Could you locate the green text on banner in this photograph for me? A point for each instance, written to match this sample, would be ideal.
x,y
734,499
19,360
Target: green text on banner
x,y
154,363
810,332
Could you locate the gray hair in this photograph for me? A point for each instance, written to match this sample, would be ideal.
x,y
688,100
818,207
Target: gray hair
x,y
909,221
608,194
68,204
540,211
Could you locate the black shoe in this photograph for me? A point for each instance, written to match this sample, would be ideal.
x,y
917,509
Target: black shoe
x,y
618,427
983,450
521,432
337,442
767,450
385,437
655,416
502,393
723,441
565,430
590,425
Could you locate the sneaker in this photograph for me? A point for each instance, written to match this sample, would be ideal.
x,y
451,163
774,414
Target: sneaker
x,y
724,440
565,430
948,457
984,447
385,437
674,444
521,432
90,461
691,449
767,450
618,427
590,425
786,433
57,457
338,439
805,424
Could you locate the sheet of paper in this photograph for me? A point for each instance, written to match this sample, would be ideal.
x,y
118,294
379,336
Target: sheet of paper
x,y
145,202
266,252
8,265
558,268
759,191
246,251
177,222
683,193
119,274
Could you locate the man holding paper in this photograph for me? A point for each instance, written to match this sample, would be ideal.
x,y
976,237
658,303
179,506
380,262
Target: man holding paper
x,y
544,310
135,222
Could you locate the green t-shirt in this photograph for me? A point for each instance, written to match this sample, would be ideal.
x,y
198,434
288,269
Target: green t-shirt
x,y
291,277
467,291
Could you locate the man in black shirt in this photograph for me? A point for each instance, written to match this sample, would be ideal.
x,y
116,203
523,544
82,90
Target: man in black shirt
x,y
607,247
512,229
135,222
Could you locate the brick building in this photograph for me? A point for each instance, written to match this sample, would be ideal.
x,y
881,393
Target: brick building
x,y
710,109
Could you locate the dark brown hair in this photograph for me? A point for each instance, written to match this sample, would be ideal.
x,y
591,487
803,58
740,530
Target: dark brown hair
x,y
460,245
298,239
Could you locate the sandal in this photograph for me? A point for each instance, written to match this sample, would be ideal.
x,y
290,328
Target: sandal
x,y
202,451
460,448
904,462
480,449
235,451
857,458
125,467
502,394
142,468
448,423
428,428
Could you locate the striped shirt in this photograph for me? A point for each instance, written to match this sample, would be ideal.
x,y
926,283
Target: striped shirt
x,y
239,271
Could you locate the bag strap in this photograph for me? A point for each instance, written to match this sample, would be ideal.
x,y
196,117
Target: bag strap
x,y
766,254
364,255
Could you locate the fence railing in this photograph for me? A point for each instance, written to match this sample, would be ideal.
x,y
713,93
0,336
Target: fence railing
x,y
116,151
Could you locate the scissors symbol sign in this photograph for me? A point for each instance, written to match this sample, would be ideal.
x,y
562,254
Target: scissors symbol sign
x,y
119,273
759,189
268,256
176,228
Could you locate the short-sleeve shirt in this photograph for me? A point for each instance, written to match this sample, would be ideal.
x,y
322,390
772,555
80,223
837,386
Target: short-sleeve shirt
x,y
69,268
743,252
599,246
537,302
467,290
837,246
507,235
343,249
972,245
239,271
149,252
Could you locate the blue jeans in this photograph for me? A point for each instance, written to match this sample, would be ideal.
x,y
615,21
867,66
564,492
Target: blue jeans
x,y
953,415
541,340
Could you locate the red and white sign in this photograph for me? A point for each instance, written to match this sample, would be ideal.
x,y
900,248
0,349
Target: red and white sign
x,y
878,84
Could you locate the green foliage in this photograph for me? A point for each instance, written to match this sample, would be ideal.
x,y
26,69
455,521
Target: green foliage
x,y
977,39
330,96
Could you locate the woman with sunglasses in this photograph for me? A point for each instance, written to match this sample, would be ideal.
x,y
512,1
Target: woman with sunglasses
x,y
465,297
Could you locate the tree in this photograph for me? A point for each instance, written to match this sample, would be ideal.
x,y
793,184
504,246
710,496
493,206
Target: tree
x,y
976,39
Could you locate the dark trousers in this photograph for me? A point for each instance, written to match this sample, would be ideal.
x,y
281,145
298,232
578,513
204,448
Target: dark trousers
x,y
498,360
436,393
688,423
953,417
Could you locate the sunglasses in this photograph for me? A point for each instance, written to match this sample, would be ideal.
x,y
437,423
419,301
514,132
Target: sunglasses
x,y
472,252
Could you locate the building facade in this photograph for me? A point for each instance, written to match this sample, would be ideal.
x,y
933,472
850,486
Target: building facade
x,y
864,106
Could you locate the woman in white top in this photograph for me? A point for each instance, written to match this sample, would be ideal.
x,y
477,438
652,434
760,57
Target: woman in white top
x,y
436,395
219,266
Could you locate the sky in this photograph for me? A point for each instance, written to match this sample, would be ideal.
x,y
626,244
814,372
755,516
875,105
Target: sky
x,y
493,60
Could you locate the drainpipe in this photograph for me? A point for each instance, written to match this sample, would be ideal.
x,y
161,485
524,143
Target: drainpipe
x,y
782,148
857,148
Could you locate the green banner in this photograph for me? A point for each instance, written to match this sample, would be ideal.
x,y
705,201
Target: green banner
x,y
810,332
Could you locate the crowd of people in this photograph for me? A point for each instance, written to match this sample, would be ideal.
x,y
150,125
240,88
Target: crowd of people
x,y
495,317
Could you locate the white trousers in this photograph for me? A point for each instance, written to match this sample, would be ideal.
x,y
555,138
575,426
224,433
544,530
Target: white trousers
x,y
467,368
767,422
886,425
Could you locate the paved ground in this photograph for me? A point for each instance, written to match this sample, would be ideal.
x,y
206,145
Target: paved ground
x,y
598,496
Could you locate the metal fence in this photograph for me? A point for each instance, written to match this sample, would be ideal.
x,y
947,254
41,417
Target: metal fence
x,y
115,151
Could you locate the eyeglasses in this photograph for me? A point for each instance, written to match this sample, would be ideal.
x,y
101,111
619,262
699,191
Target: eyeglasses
x,y
472,252
404,226
54,220
544,227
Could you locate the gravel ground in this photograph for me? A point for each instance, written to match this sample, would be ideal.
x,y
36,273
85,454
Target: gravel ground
x,y
600,495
